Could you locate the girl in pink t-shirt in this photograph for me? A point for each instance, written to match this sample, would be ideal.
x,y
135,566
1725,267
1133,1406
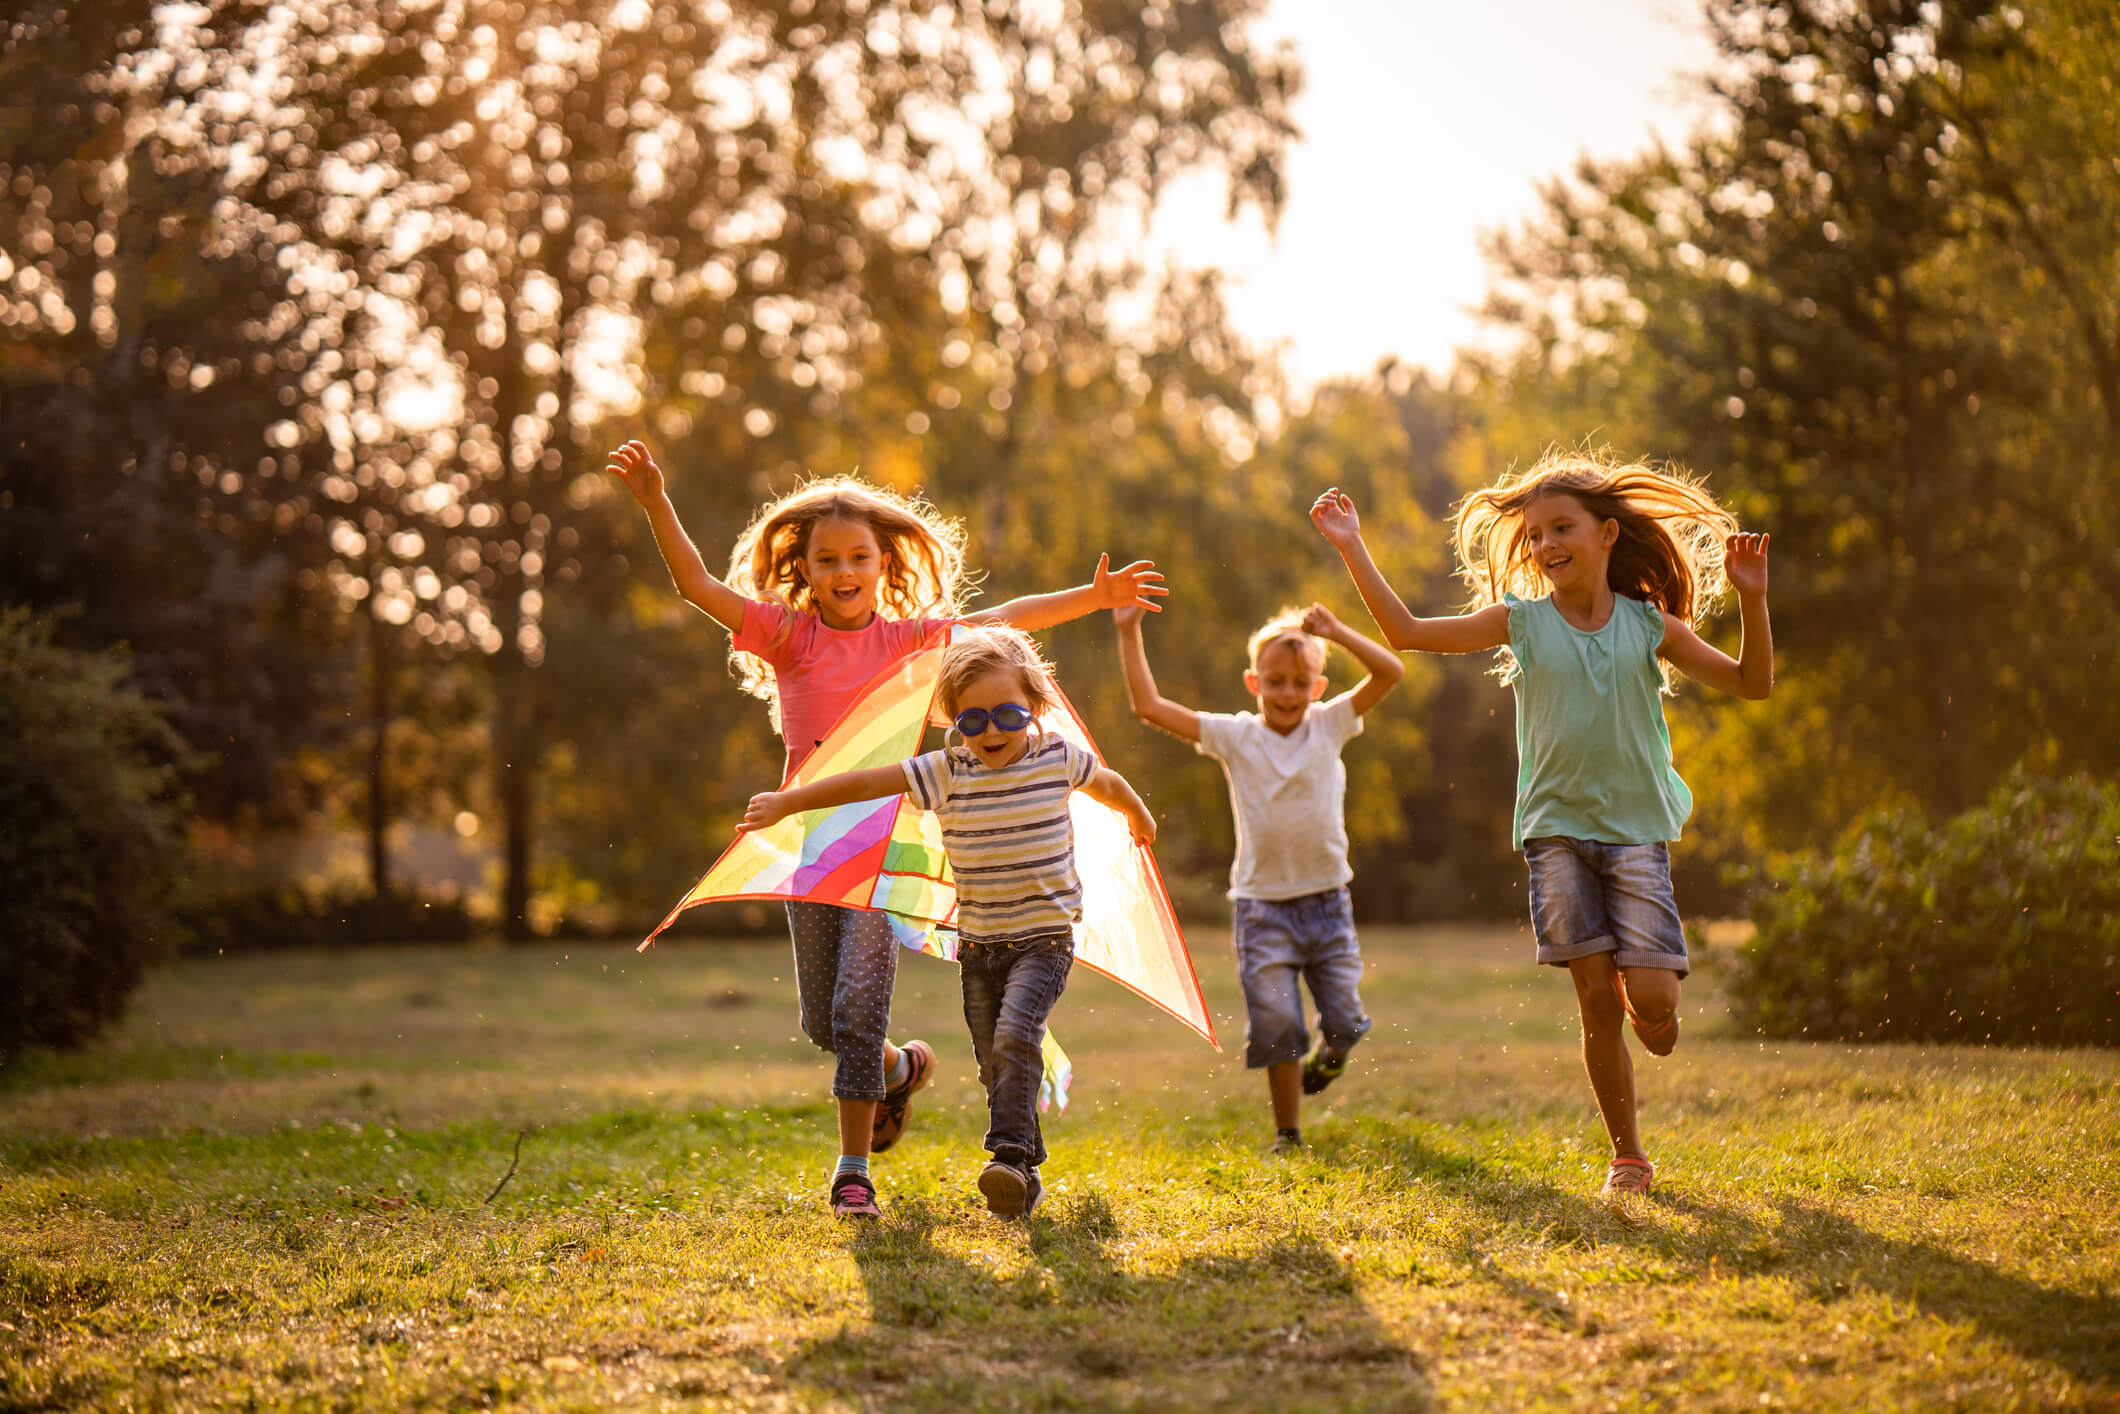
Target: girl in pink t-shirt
x,y
830,585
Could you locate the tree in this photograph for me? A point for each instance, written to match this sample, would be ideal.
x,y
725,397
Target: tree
x,y
1876,304
516,181
149,338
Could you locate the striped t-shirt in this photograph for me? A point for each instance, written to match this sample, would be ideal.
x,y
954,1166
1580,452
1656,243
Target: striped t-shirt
x,y
1008,834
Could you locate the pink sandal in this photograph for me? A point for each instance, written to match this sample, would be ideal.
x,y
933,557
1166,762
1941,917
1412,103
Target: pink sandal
x,y
1628,1175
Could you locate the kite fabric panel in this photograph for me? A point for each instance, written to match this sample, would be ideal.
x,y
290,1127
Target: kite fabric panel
x,y
887,854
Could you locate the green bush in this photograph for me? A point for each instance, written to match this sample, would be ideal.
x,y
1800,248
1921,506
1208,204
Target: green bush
x,y
91,843
2001,926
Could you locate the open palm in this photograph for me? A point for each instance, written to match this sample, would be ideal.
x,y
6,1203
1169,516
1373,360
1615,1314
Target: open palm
x,y
1745,561
634,465
1117,588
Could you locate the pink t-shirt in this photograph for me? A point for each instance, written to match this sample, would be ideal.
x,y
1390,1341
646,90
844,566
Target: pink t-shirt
x,y
819,670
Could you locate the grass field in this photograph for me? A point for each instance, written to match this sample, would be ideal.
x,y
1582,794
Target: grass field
x,y
268,1190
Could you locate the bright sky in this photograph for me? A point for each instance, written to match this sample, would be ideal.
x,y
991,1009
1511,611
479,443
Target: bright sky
x,y
1426,122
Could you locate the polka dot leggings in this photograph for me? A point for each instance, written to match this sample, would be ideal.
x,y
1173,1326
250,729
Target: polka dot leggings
x,y
846,961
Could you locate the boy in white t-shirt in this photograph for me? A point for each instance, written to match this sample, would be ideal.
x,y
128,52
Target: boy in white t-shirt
x,y
1288,789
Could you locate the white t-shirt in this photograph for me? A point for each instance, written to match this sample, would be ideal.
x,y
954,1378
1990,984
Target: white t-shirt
x,y
1289,794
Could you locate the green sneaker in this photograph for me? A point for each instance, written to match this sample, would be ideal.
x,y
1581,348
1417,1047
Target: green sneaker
x,y
1320,1071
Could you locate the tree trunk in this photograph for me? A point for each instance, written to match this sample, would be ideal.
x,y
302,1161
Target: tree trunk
x,y
379,725
514,679
513,753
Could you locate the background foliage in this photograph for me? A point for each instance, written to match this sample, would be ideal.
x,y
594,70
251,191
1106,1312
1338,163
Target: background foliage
x,y
92,851
315,321
2001,924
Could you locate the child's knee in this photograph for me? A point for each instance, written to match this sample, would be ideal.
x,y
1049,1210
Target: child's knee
x,y
1653,992
1597,994
1012,1043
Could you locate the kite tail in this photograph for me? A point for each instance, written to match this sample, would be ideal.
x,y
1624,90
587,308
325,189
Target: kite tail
x,y
1059,1074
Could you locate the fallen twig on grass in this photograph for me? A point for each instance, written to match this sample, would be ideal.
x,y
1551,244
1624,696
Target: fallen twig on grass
x,y
511,1166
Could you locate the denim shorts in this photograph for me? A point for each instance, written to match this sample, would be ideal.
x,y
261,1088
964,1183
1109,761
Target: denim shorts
x,y
1281,942
1588,897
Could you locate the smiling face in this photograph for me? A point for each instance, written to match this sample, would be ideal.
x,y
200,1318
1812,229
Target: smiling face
x,y
843,565
1286,681
995,688
1570,546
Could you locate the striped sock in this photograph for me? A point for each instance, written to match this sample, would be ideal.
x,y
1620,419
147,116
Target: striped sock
x,y
852,1163
900,1073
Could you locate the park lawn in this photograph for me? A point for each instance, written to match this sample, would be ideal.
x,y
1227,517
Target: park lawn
x,y
268,1189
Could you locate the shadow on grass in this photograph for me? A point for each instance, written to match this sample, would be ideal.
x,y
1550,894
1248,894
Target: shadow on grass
x,y
1828,1255
1058,1322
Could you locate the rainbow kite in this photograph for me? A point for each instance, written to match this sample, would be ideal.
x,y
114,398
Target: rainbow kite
x,y
887,855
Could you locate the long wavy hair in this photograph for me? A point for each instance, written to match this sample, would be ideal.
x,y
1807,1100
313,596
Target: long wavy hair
x,y
923,572
1671,533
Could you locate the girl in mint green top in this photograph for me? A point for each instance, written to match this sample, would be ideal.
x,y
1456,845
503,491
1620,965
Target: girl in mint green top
x,y
1589,576
1593,754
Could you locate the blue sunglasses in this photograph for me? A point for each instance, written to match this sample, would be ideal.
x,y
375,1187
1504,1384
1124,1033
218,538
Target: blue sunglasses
x,y
1008,716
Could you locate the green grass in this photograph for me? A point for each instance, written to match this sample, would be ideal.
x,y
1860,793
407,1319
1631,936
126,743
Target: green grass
x,y
267,1190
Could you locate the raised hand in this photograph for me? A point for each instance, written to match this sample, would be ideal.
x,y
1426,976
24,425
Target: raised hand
x,y
766,808
1129,614
1319,622
635,465
1745,562
1115,589
1334,515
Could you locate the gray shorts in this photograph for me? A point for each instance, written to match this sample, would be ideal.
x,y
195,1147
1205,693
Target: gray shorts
x,y
1281,942
1588,897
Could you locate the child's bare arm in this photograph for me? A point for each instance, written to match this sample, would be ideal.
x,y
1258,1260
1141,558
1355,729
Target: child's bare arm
x,y
875,783
1751,673
1108,588
1108,787
1335,517
1384,667
634,465
1149,705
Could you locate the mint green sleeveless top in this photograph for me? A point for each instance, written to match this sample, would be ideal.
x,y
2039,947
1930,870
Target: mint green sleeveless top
x,y
1593,753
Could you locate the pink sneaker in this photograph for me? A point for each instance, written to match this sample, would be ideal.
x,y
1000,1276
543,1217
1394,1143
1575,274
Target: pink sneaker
x,y
853,1196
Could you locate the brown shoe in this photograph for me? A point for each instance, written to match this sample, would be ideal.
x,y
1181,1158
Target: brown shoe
x,y
891,1109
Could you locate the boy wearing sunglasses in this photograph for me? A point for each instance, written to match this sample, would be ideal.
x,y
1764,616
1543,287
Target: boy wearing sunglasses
x,y
1288,884
1002,800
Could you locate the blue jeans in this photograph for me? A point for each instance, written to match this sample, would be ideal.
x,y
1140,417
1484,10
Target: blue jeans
x,y
1009,991
1588,897
1281,941
846,962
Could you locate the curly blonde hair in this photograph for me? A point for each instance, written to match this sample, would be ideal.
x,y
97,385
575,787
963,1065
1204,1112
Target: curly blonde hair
x,y
1671,533
996,648
923,573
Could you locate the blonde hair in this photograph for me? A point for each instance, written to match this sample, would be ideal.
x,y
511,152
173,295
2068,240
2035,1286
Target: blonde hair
x,y
1671,532
1287,626
996,648
923,572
